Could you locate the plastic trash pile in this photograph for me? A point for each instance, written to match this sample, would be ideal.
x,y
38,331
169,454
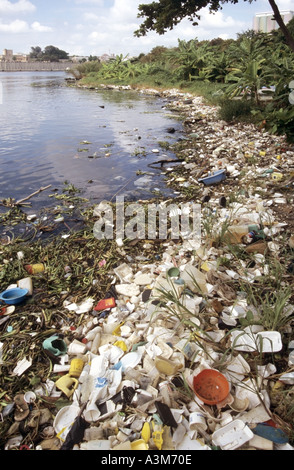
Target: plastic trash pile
x,y
179,355
132,372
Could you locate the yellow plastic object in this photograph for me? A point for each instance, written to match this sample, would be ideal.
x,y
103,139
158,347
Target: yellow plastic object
x,y
146,433
67,385
278,387
205,266
157,439
122,345
35,268
116,331
140,444
277,176
165,366
76,367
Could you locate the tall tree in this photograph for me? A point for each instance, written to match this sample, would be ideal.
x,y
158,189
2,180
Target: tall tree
x,y
165,14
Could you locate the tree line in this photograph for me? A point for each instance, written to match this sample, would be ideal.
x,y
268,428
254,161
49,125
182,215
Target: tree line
x,y
239,72
49,54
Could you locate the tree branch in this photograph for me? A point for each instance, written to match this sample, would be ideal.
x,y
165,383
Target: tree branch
x,y
279,20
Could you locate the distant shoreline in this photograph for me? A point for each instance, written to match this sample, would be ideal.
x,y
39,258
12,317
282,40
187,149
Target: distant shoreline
x,y
36,66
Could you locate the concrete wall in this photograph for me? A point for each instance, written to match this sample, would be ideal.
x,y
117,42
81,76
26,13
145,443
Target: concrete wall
x,y
34,66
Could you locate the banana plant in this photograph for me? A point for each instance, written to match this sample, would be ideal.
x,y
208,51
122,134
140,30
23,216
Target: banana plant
x,y
189,58
217,68
246,81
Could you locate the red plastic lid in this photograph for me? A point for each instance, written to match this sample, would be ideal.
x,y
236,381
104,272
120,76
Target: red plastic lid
x,y
211,386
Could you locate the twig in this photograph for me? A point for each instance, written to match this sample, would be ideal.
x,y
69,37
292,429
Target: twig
x,y
162,162
20,201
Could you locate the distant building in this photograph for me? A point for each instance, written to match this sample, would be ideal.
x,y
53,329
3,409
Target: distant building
x,y
265,23
106,57
8,56
76,59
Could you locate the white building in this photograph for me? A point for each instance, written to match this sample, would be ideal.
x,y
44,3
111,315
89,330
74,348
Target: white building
x,y
264,22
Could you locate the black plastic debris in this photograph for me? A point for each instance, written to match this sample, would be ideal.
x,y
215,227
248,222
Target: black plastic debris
x,y
76,433
165,414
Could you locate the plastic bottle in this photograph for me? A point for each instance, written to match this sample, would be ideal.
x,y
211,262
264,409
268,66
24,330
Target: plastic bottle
x,y
236,233
96,342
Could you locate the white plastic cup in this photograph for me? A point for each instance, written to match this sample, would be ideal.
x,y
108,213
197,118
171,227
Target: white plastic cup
x,y
197,421
92,413
98,366
30,397
76,347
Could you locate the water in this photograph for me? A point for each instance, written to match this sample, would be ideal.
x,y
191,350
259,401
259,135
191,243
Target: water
x,y
44,127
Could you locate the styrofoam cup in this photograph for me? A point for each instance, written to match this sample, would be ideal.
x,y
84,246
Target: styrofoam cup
x,y
196,421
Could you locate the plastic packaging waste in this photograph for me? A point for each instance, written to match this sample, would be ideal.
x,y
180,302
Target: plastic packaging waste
x,y
262,341
194,279
232,436
35,268
26,283
236,233
105,304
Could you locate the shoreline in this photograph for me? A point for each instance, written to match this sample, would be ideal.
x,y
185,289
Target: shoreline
x,y
147,318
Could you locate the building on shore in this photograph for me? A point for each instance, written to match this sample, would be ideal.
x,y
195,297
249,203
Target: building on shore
x,y
8,56
102,58
265,22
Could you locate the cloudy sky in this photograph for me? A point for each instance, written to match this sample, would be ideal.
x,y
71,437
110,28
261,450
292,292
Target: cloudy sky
x,y
84,27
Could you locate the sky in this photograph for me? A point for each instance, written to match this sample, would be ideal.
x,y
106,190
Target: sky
x,y
97,27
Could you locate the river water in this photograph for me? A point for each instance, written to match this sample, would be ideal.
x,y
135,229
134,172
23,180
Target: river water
x,y
99,141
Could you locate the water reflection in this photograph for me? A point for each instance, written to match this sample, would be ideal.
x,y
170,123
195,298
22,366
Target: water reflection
x,y
44,126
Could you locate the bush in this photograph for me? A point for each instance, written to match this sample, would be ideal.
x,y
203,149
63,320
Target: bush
x,y
86,68
281,122
235,110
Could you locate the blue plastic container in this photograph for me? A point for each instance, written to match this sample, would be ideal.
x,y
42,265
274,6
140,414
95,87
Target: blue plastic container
x,y
214,178
14,296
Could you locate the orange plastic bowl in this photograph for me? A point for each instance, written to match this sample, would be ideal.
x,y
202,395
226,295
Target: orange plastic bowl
x,y
211,386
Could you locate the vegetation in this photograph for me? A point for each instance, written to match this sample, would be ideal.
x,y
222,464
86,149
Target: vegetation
x,y
165,14
248,78
50,54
